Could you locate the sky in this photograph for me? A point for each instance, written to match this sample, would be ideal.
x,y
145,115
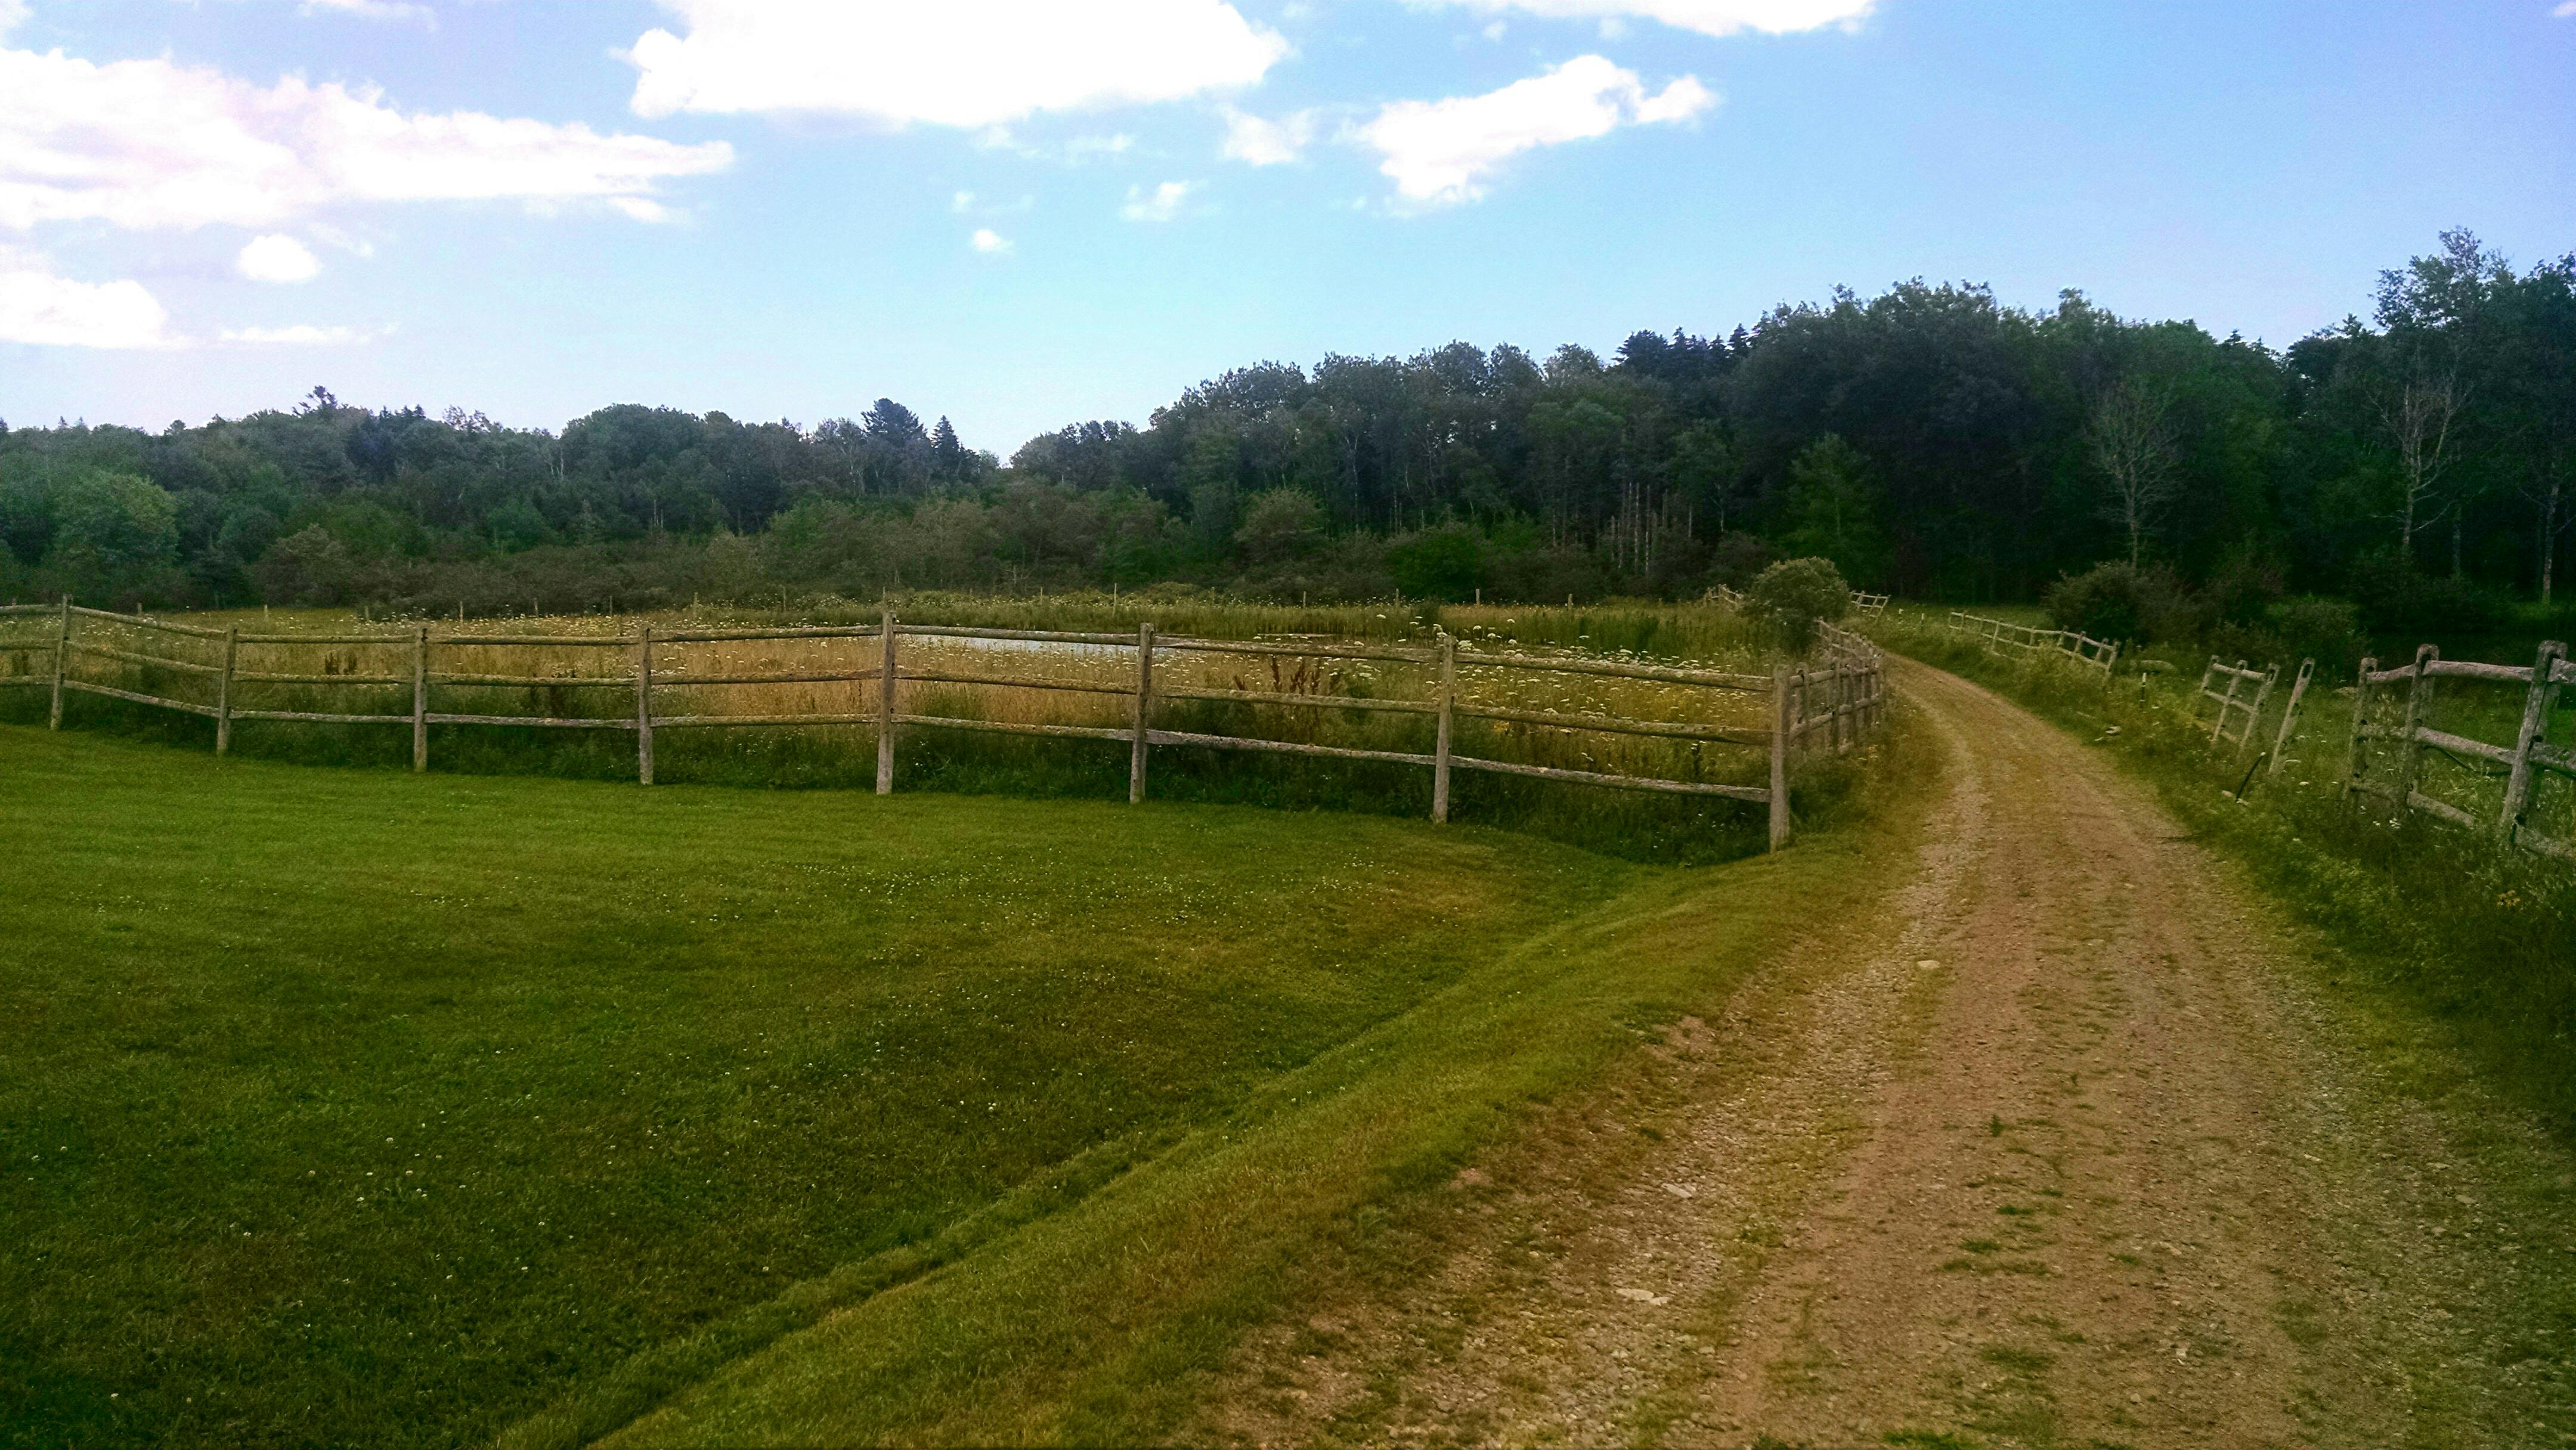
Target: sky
x,y
1021,213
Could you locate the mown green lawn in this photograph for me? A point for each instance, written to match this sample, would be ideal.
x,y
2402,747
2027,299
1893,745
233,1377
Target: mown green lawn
x,y
354,1108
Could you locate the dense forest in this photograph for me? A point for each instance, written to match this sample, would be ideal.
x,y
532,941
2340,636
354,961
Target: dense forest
x,y
1929,440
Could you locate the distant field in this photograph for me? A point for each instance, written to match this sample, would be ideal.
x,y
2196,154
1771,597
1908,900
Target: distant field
x,y
358,1108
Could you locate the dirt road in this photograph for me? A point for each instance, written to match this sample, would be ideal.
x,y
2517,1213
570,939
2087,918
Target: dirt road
x,y
2076,1147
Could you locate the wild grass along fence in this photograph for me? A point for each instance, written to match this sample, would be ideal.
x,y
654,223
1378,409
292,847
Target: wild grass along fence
x,y
2514,770
2501,765
2003,636
690,679
2519,766
2406,746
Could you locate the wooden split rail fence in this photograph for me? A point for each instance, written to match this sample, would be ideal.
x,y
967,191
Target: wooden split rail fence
x,y
2238,710
1843,698
2003,637
2522,763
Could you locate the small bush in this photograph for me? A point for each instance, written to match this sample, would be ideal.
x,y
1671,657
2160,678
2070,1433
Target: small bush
x,y
2397,598
2325,630
2125,603
1446,563
1795,593
2243,590
2255,644
1737,557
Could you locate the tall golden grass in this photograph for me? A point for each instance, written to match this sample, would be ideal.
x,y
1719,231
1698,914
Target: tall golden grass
x,y
589,681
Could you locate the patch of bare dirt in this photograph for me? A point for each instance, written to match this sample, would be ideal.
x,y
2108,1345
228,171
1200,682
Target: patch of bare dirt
x,y
2058,1153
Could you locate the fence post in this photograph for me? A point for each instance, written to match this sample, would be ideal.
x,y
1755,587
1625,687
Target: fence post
x,y
1448,702
1144,714
885,705
2419,703
2535,722
2218,727
224,694
2359,762
2254,712
644,707
62,654
1779,756
420,698
2290,716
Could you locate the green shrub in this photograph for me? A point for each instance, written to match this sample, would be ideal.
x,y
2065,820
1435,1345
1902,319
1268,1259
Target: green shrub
x,y
2243,590
1795,593
2124,602
1446,563
2325,630
2397,598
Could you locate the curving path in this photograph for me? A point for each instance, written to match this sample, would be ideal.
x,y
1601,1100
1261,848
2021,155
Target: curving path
x,y
2075,1147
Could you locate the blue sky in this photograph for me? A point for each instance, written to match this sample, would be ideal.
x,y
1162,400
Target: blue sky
x,y
771,207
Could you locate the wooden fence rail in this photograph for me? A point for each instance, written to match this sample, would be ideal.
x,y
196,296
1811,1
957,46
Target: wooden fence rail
x,y
2238,712
2029,642
1835,700
2523,763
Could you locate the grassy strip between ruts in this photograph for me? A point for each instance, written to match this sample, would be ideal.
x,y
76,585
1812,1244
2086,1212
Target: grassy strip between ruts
x,y
2440,922
1100,1322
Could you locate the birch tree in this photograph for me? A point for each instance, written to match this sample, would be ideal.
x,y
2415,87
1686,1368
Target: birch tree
x,y
2420,421
2131,438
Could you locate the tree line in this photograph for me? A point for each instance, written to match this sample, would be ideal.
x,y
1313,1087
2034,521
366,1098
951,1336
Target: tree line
x,y
1928,440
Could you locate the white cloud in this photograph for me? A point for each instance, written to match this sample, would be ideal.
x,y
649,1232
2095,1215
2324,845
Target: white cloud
x,y
299,335
1083,147
1441,152
1249,138
149,143
962,203
1708,17
964,63
1077,151
346,241
2563,12
990,242
278,258
49,311
11,13
375,10
1159,205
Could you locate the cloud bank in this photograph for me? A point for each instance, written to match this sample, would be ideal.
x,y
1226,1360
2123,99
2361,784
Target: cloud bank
x,y
151,143
1708,17
1252,140
1443,152
39,307
277,258
970,63
1161,204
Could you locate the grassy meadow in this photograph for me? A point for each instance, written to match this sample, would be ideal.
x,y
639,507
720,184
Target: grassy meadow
x,y
360,1108
353,1108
